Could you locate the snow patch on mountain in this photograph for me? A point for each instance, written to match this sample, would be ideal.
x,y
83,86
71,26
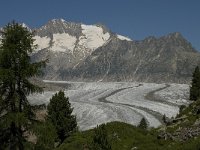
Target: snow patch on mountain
x,y
123,38
42,42
63,42
93,36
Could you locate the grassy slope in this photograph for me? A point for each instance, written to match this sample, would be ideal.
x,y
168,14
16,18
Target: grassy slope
x,y
123,136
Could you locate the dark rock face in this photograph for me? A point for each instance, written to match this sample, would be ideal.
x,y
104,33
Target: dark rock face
x,y
167,59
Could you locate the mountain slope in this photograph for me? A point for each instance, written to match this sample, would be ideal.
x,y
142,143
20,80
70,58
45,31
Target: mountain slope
x,y
167,59
66,44
94,53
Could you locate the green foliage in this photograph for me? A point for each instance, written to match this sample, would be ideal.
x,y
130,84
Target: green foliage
x,y
60,114
15,70
46,136
143,124
123,136
188,115
182,107
77,141
120,136
164,119
100,139
195,87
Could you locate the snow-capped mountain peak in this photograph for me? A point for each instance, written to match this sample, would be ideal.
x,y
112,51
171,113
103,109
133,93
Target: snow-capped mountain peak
x,y
61,36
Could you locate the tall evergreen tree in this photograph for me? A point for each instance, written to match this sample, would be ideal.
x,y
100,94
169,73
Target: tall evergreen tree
x,y
15,70
195,86
60,114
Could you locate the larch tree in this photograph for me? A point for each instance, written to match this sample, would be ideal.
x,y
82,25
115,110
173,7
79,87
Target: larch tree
x,y
16,68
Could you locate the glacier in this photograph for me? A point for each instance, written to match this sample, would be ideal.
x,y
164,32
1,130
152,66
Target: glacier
x,y
95,103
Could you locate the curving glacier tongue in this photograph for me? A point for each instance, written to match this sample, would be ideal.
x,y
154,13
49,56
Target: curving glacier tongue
x,y
100,102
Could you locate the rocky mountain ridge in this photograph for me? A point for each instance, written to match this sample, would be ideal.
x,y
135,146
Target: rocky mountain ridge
x,y
68,44
82,52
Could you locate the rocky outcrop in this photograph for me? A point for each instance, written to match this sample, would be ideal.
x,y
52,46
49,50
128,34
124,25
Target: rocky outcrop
x,y
181,134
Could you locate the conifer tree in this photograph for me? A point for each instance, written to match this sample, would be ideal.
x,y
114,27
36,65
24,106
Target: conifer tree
x,y
60,114
143,124
164,119
100,139
195,86
15,70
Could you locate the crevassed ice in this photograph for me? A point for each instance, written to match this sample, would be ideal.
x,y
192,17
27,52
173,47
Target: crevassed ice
x,y
136,97
125,104
123,38
63,42
42,42
93,36
176,93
